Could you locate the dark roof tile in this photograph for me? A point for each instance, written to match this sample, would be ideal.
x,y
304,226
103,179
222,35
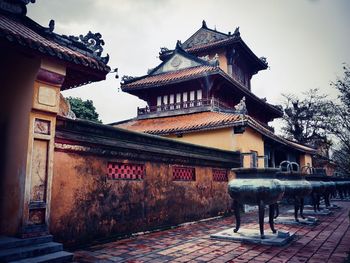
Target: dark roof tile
x,y
170,77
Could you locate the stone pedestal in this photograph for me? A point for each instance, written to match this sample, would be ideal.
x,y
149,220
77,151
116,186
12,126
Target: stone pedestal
x,y
290,220
347,199
311,212
323,207
253,236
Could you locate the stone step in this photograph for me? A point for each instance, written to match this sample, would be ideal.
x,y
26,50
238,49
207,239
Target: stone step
x,y
57,257
17,253
12,242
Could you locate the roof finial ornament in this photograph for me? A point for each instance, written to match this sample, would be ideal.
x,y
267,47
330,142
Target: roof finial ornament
x,y
178,45
264,60
204,24
51,25
241,107
163,50
237,33
94,42
125,79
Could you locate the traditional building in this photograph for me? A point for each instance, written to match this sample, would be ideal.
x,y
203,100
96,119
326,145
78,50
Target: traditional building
x,y
201,93
76,179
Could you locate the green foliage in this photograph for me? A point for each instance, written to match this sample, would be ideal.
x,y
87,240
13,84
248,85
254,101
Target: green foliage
x,y
83,109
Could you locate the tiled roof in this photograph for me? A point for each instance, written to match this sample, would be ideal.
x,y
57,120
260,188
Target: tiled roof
x,y
203,121
216,44
181,123
225,42
222,42
268,133
24,32
188,74
170,77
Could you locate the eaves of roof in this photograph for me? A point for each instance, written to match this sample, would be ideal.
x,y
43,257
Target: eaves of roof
x,y
171,77
24,33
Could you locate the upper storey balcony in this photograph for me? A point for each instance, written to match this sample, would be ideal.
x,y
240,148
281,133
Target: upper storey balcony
x,y
183,107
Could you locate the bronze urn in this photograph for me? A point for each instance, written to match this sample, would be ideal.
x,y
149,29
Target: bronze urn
x,y
296,188
256,186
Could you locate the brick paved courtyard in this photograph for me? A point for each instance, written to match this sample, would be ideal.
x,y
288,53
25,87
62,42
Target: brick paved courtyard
x,y
327,242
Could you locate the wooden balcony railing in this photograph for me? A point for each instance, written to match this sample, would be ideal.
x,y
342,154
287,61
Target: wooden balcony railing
x,y
213,103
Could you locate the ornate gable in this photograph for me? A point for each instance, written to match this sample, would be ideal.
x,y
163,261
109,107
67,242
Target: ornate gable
x,y
204,36
176,62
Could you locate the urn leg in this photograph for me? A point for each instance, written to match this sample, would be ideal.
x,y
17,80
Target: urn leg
x,y
326,200
302,208
237,215
296,209
271,214
261,218
314,201
277,210
318,202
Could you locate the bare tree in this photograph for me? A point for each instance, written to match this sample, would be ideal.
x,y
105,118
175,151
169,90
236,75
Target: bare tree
x,y
340,122
306,119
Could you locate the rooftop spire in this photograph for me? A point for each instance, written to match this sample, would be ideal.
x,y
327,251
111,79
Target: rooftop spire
x,y
204,24
237,33
178,45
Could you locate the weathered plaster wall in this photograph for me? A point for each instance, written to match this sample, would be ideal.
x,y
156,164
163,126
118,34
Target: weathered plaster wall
x,y
85,204
219,138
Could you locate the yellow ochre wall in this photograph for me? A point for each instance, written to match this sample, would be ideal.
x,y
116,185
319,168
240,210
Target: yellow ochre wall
x,y
305,160
225,139
222,57
249,141
219,138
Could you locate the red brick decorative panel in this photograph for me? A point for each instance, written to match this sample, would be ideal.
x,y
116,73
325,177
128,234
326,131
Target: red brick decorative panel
x,y
125,171
220,175
181,173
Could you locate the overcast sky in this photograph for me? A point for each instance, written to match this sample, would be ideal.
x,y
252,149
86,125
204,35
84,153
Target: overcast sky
x,y
305,41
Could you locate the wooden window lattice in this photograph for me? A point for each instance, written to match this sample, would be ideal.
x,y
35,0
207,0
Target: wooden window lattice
x,y
125,171
181,173
220,175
